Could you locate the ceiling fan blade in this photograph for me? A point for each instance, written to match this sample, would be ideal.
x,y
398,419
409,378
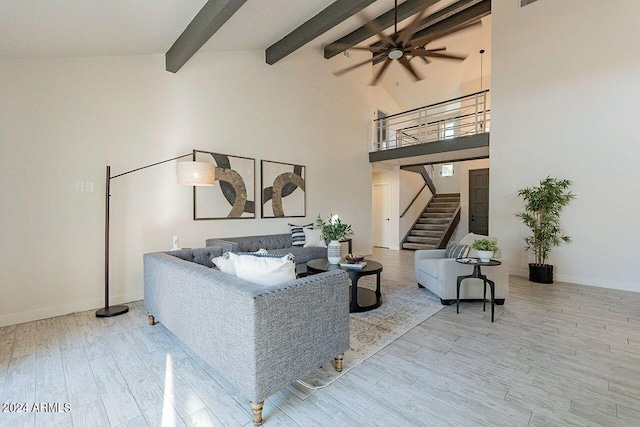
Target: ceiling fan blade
x,y
443,56
372,48
408,32
427,39
405,63
373,26
421,51
354,66
380,72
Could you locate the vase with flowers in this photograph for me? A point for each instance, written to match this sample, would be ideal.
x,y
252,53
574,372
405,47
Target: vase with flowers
x,y
333,230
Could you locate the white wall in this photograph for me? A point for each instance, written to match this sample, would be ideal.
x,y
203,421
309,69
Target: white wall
x,y
404,186
447,184
64,120
391,177
565,92
384,101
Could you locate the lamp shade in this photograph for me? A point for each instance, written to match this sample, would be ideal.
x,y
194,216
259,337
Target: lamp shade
x,y
196,173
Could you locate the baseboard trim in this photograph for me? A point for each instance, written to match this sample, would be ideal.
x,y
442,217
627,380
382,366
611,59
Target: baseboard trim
x,y
586,281
61,310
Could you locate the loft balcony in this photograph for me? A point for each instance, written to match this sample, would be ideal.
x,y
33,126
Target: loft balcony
x,y
452,130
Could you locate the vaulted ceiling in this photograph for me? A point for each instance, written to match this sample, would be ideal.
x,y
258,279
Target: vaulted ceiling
x,y
76,28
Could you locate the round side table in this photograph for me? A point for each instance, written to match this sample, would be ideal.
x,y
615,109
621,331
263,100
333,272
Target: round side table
x,y
361,299
477,274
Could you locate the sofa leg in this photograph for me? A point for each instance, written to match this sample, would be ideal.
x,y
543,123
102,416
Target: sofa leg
x,y
339,362
420,286
447,301
152,320
256,409
499,301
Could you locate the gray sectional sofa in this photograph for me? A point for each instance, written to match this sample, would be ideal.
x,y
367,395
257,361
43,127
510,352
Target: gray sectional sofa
x,y
279,244
259,338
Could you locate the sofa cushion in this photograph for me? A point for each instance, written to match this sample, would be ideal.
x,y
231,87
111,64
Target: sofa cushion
x,y
265,270
253,243
302,255
297,234
428,266
456,251
313,238
201,255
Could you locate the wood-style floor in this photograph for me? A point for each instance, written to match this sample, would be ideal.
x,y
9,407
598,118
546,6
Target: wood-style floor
x,y
558,354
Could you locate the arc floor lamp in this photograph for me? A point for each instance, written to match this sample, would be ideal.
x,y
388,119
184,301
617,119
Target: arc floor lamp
x,y
189,173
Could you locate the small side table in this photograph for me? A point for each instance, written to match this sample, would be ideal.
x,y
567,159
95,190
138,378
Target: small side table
x,y
477,274
360,299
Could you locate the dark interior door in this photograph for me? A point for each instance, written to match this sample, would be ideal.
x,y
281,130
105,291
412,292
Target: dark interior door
x,y
479,201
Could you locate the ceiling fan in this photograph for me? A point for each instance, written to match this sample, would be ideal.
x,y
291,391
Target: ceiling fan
x,y
401,46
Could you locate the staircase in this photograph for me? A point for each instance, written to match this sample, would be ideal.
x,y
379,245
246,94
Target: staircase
x,y
436,222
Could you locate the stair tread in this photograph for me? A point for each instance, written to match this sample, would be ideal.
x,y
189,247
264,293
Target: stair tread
x,y
426,233
425,240
417,246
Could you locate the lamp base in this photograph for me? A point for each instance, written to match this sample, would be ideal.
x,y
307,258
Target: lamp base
x,y
114,310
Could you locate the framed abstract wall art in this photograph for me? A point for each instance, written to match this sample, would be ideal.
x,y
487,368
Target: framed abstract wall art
x,y
283,190
233,196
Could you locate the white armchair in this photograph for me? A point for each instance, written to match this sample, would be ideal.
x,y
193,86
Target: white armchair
x,y
439,274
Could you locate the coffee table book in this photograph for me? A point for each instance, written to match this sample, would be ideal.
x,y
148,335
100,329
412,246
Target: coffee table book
x,y
357,265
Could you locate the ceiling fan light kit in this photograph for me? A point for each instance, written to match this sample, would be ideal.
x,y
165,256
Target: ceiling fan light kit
x,y
395,53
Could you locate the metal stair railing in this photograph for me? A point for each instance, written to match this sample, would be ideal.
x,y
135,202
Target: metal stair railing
x,y
462,116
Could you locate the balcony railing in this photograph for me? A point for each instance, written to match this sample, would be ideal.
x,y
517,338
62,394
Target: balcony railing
x,y
466,115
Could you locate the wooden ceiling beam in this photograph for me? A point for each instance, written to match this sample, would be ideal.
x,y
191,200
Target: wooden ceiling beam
x,y
386,20
206,23
331,16
459,16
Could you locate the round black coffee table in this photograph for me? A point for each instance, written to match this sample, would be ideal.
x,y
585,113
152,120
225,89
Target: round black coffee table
x,y
477,274
360,299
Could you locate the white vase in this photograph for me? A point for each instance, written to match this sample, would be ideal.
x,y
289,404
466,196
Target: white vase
x,y
334,252
485,256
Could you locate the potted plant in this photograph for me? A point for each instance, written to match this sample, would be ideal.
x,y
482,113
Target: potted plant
x,y
486,248
542,207
334,230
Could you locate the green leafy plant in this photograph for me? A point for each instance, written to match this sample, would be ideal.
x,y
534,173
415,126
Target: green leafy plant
x,y
542,207
333,228
484,245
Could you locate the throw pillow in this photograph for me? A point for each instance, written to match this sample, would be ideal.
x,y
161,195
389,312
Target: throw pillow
x,y
225,263
313,238
297,234
456,251
259,252
264,270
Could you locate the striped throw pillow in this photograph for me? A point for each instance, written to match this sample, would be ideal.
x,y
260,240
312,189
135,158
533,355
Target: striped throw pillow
x,y
456,251
297,234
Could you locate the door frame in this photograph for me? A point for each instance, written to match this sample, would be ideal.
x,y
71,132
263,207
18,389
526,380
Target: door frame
x,y
488,169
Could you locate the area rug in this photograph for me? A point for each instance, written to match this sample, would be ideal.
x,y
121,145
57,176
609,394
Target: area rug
x,y
404,306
